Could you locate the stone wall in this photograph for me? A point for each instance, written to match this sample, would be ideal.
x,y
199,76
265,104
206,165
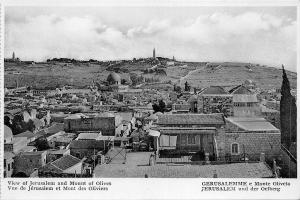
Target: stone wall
x,y
246,111
26,163
105,125
18,144
250,143
213,103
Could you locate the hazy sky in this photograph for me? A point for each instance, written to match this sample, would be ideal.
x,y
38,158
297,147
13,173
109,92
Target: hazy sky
x,y
265,35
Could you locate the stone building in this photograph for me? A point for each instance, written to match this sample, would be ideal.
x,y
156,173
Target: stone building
x,y
247,138
213,99
189,133
181,108
114,79
86,148
8,164
67,164
16,145
28,162
245,103
107,123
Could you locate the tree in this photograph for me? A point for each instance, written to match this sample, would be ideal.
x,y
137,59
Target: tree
x,y
134,79
160,107
7,121
288,113
42,144
17,124
187,87
30,125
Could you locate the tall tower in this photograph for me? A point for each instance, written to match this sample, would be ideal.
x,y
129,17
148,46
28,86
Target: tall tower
x,y
154,53
13,56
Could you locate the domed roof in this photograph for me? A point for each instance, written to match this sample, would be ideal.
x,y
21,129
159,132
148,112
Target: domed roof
x,y
7,132
113,77
248,82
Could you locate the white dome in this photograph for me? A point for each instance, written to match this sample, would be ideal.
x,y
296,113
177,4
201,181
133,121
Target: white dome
x,y
8,135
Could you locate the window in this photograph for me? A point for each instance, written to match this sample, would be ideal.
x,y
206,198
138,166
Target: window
x,y
191,139
234,149
4,163
183,139
8,167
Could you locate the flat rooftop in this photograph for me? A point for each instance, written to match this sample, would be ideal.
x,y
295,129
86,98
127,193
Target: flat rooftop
x,y
252,124
137,165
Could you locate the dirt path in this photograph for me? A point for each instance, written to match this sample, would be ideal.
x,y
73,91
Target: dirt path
x,y
182,79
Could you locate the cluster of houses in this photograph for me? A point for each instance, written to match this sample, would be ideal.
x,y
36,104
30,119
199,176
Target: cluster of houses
x,y
75,130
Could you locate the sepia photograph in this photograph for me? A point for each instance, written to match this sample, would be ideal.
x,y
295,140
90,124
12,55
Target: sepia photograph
x,y
150,92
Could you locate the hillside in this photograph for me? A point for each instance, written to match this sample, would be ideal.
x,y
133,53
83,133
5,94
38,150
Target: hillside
x,y
81,74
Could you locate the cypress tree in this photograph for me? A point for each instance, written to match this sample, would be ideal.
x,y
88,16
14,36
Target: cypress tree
x,y
288,113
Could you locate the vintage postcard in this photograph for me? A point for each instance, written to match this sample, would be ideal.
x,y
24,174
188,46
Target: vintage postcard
x,y
149,100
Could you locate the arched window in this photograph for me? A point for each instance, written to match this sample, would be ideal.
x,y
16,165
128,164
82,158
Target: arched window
x,y
235,149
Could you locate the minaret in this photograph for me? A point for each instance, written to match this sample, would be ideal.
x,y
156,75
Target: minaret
x,y
13,56
154,53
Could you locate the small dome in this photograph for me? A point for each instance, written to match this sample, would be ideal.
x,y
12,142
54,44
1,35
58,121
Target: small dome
x,y
248,82
114,78
8,135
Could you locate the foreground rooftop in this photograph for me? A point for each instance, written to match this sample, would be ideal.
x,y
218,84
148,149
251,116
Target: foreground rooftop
x,y
137,166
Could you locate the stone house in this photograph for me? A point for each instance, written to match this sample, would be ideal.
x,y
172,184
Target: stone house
x,y
181,107
245,103
67,164
16,145
29,135
27,162
107,123
86,148
54,154
189,133
213,99
248,138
